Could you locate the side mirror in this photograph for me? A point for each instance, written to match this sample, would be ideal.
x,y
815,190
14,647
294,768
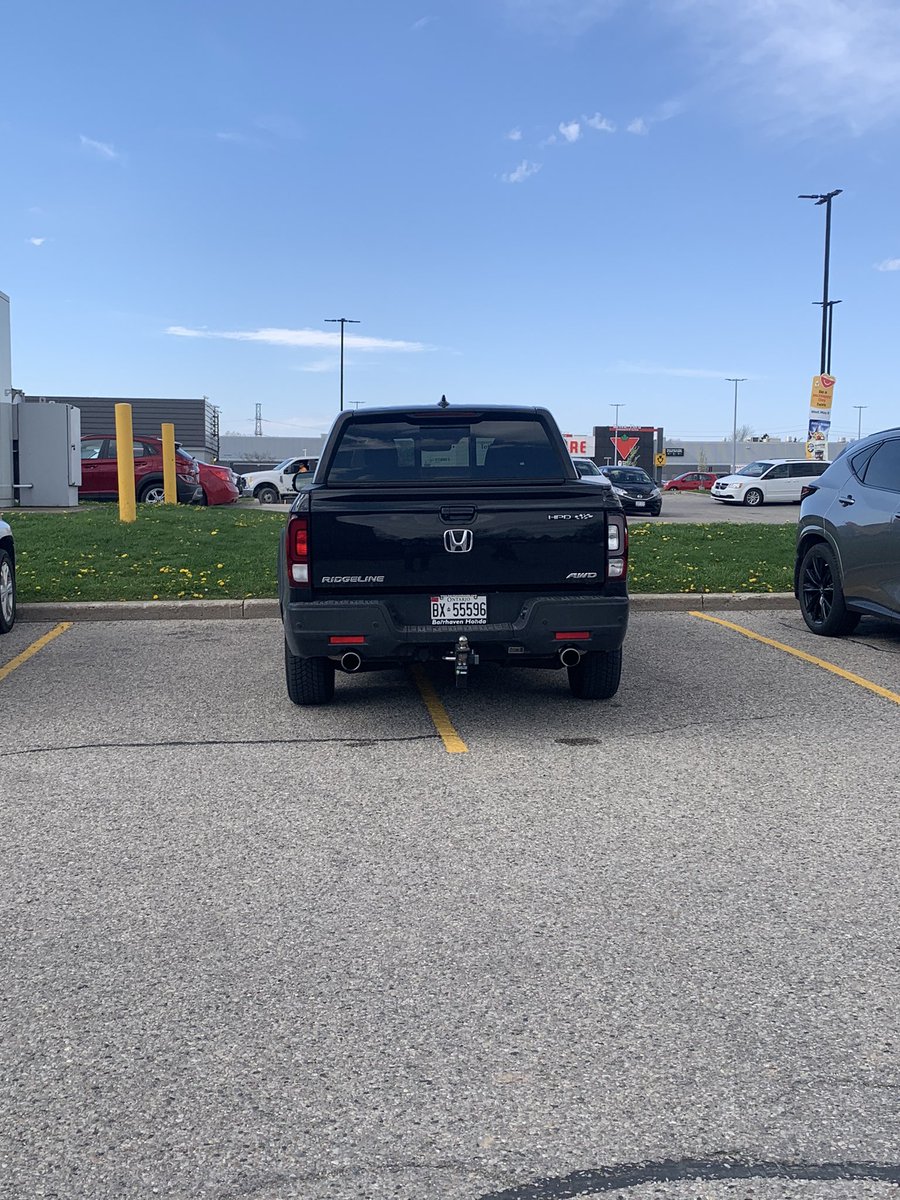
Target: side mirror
x,y
300,478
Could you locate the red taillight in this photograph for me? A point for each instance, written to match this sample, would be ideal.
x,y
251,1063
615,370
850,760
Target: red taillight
x,y
572,637
298,551
808,489
347,641
221,472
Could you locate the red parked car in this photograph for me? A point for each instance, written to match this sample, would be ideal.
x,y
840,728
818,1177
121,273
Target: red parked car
x,y
691,481
99,471
219,483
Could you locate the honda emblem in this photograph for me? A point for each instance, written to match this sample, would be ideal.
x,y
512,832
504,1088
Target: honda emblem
x,y
458,541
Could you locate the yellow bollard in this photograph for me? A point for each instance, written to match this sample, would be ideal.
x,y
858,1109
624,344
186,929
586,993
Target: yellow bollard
x,y
125,462
170,484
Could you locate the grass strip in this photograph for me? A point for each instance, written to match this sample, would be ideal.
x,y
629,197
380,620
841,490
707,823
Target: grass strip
x,y
184,553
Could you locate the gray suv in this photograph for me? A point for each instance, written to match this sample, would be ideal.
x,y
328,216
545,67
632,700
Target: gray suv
x,y
848,541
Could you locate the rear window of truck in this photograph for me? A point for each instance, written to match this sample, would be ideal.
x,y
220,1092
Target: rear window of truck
x,y
480,450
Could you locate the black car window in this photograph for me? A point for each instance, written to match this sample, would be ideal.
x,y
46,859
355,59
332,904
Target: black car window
x,y
476,448
778,472
883,470
860,461
137,447
803,470
622,475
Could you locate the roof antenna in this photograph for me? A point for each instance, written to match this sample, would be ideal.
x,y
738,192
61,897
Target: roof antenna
x,y
443,402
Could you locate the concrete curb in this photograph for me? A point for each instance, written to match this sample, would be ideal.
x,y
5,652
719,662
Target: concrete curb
x,y
255,610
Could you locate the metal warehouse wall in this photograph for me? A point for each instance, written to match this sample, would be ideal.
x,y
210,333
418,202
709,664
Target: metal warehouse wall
x,y
268,450
195,420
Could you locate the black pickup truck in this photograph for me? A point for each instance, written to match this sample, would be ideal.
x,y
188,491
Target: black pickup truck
x,y
456,534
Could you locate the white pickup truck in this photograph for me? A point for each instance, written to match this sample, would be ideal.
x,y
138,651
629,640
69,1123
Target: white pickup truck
x,y
277,484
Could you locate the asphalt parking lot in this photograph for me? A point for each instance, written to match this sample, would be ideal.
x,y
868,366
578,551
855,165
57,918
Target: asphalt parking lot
x,y
646,948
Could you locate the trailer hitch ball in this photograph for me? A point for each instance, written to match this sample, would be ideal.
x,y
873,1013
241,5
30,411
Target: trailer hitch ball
x,y
462,656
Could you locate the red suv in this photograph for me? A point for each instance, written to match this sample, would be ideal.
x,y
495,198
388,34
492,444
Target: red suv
x,y
99,472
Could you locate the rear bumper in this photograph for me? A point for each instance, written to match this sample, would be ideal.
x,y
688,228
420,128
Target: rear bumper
x,y
309,625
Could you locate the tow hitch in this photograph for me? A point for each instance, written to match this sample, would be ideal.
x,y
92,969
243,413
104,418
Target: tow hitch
x,y
462,655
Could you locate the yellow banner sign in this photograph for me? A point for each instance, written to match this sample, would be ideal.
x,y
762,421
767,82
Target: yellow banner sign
x,y
822,393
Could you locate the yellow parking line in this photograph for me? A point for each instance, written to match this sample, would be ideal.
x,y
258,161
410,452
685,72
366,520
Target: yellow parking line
x,y
453,743
886,693
33,649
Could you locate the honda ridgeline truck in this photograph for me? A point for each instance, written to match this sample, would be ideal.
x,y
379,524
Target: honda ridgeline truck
x,y
451,534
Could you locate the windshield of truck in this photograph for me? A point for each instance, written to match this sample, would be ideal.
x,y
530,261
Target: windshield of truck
x,y
477,449
754,469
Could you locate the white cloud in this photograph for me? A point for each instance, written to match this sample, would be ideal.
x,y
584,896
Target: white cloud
x,y
321,365
888,264
305,338
630,368
103,149
638,125
523,171
37,241
515,135
422,22
793,63
599,122
549,141
571,130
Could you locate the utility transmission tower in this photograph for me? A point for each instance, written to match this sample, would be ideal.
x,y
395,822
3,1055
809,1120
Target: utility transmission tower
x,y
257,430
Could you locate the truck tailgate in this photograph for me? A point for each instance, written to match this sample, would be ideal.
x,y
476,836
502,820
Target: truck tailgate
x,y
499,539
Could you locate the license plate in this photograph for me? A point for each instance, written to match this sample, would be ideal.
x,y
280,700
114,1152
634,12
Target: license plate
x,y
459,610
640,503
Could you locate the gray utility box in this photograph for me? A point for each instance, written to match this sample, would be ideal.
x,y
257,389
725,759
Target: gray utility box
x,y
49,444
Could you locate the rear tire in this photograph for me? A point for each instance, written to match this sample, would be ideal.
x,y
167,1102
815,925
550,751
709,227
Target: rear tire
x,y
7,592
153,493
309,680
822,596
753,498
597,675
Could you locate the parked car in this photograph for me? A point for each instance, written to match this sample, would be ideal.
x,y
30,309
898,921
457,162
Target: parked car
x,y
635,489
7,579
100,479
587,468
219,483
691,481
848,538
277,484
768,481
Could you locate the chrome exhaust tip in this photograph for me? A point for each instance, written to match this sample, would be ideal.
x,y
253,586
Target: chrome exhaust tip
x,y
350,662
570,657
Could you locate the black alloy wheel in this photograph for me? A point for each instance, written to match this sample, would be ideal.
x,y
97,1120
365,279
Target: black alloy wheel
x,y
821,595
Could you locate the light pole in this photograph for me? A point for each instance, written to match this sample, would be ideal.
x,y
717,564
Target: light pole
x,y
831,304
731,379
859,408
616,430
826,200
342,321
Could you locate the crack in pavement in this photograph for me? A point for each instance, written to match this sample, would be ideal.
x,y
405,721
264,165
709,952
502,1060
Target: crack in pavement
x,y
354,743
628,1175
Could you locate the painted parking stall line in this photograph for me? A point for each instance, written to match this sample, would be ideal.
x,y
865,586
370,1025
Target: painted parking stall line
x,y
34,648
850,676
453,743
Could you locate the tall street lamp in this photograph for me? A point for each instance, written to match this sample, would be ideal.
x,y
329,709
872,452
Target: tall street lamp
x,y
831,304
616,430
342,321
731,379
826,199
859,408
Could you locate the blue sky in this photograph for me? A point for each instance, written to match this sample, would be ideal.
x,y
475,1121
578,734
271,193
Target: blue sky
x,y
571,203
